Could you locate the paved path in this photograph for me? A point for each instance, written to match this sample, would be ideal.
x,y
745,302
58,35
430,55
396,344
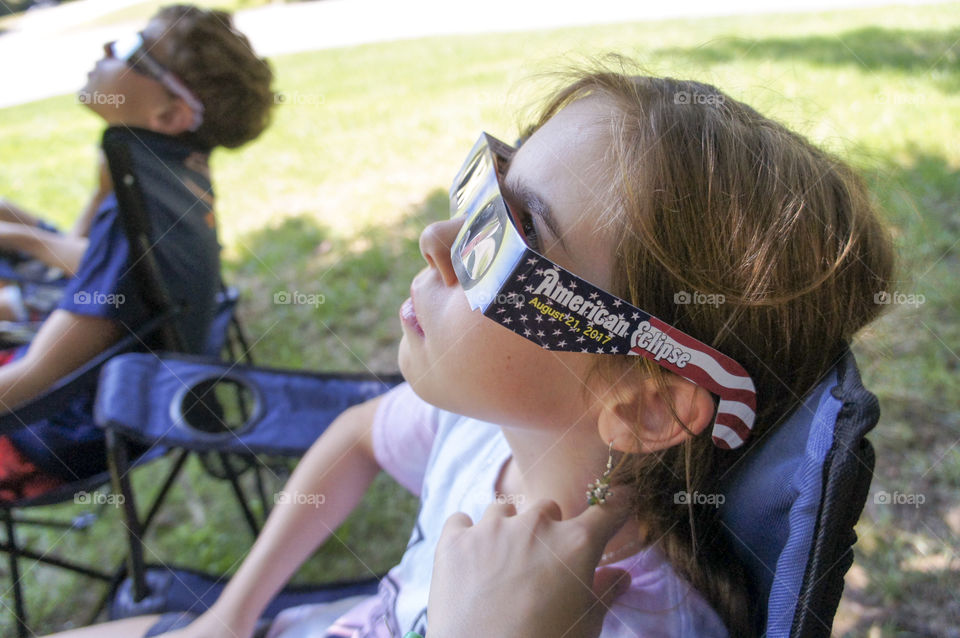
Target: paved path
x,y
46,53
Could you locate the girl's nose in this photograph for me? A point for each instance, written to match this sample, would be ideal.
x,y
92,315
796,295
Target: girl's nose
x,y
435,242
108,49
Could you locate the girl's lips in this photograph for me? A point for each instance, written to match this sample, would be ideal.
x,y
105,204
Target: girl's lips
x,y
408,315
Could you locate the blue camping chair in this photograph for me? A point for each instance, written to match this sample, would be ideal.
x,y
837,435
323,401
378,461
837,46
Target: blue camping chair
x,y
174,385
131,160
789,508
26,271
51,402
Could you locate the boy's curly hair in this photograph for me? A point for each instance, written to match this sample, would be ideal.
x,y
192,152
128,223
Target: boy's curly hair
x,y
218,64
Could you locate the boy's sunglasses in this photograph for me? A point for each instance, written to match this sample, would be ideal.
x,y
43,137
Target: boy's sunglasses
x,y
133,50
530,295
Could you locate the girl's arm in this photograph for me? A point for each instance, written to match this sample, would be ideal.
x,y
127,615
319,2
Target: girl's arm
x,y
340,466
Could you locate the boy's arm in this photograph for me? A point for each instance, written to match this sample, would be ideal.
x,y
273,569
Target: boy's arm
x,y
81,228
340,465
13,214
104,187
64,343
10,212
59,251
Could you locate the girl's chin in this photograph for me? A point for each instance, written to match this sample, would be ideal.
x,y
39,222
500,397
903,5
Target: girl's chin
x,y
406,359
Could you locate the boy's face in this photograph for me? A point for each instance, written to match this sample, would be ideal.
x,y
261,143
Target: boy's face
x,y
123,96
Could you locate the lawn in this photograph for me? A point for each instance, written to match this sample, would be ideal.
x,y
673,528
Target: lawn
x,y
330,201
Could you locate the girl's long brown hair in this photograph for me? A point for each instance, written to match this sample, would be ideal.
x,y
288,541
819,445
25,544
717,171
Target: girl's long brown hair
x,y
715,199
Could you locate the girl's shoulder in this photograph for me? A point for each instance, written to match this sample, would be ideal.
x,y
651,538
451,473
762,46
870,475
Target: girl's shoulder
x,y
659,603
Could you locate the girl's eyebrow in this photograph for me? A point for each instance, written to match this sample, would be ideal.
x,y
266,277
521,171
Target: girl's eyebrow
x,y
521,193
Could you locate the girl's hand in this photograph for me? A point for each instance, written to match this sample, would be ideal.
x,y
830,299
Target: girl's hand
x,y
531,575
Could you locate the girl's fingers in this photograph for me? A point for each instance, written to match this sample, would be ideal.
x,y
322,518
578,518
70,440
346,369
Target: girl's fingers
x,y
548,508
499,510
602,521
457,521
452,531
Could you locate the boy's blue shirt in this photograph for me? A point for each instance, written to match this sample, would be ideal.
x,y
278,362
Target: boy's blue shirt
x,y
179,204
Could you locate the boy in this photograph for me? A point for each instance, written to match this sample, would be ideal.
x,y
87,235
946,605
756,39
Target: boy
x,y
187,83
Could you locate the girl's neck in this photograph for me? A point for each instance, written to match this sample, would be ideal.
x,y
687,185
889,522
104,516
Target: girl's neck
x,y
544,466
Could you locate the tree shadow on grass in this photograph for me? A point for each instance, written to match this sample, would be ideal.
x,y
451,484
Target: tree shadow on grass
x,y
907,573
321,300
314,299
933,54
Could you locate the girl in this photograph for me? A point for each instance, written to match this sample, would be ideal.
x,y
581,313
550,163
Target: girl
x,y
643,215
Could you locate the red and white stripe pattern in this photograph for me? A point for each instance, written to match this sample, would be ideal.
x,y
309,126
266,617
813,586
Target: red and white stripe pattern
x,y
719,374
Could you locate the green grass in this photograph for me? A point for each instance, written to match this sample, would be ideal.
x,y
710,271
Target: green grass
x,y
331,199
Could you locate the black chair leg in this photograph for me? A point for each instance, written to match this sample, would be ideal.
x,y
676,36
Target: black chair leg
x,y
238,492
119,472
19,609
262,491
245,354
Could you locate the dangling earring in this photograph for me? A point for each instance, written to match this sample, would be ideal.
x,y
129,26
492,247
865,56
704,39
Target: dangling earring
x,y
599,490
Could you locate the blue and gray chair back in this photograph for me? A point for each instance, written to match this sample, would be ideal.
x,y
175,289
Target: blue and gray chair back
x,y
792,503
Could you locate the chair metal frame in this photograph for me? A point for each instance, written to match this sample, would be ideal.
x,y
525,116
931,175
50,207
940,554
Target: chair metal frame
x,y
847,474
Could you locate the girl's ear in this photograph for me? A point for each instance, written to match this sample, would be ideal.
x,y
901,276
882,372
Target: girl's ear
x,y
640,416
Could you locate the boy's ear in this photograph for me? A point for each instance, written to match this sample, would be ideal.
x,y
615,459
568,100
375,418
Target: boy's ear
x,y
639,417
173,117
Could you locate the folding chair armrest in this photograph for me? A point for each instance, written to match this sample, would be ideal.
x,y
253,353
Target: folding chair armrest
x,y
142,396
57,397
